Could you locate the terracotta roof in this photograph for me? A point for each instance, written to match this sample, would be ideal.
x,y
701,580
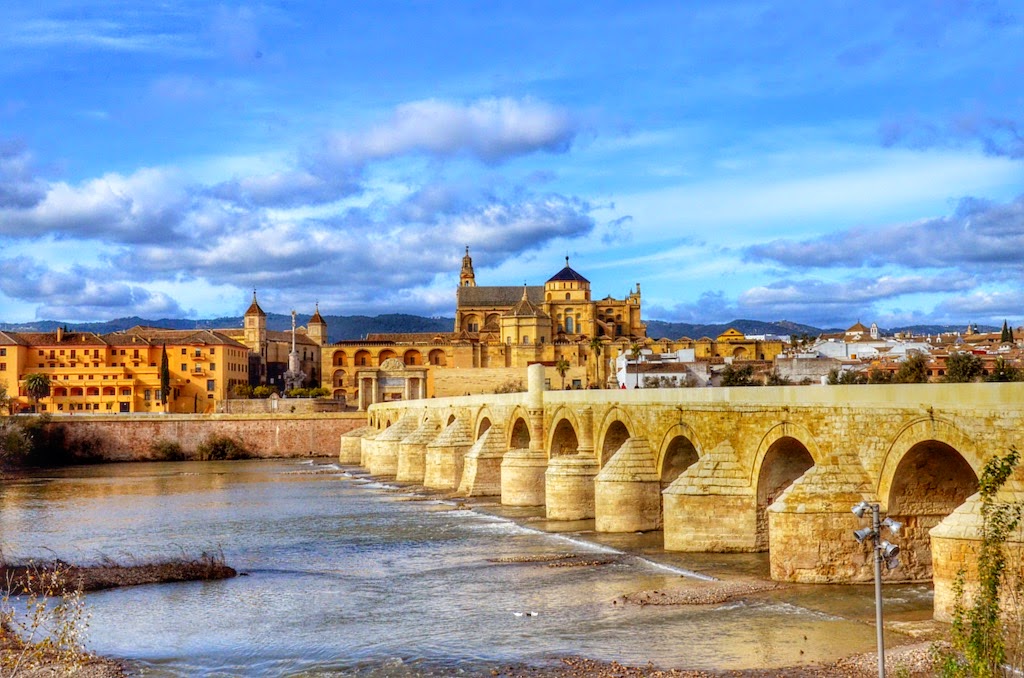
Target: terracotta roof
x,y
525,308
859,328
317,318
254,308
160,335
12,339
67,339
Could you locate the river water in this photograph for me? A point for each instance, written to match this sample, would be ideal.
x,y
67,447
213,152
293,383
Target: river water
x,y
346,576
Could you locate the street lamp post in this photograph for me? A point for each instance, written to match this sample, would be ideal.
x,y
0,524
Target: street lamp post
x,y
883,551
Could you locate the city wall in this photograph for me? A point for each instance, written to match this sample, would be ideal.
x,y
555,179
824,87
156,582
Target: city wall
x,y
128,437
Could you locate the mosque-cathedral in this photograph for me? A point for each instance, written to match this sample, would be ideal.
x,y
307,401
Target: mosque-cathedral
x,y
498,332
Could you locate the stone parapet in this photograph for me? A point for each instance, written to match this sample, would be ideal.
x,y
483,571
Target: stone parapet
x,y
569,487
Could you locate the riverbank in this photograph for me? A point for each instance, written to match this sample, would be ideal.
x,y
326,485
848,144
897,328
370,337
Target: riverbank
x,y
710,580
47,641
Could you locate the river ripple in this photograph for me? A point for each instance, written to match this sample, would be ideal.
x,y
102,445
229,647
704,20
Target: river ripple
x,y
347,577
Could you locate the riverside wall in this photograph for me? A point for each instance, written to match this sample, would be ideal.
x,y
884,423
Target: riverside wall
x,y
129,437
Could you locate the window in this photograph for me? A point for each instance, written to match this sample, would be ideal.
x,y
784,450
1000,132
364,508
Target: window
x,y
72,353
3,351
210,383
213,367
213,351
148,395
126,391
135,354
96,353
199,352
184,367
184,351
567,297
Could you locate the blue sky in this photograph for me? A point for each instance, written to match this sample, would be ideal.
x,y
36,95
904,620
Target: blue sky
x,y
818,162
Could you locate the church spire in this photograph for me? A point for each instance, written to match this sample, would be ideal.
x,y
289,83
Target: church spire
x,y
466,277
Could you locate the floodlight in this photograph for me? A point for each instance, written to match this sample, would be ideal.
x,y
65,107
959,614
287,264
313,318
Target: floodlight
x,y
888,550
892,563
863,533
860,509
893,525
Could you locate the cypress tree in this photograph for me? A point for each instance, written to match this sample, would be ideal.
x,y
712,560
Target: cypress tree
x,y
1007,336
165,376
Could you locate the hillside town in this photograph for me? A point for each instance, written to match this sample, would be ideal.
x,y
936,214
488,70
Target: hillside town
x,y
498,333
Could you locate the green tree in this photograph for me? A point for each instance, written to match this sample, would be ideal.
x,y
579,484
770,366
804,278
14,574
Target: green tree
x,y
879,377
562,366
5,399
37,385
913,370
962,367
846,377
165,377
978,635
737,376
1003,371
776,379
595,348
1007,335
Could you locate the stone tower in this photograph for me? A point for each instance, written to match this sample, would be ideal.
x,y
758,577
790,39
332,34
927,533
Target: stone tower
x,y
316,328
256,327
255,337
466,276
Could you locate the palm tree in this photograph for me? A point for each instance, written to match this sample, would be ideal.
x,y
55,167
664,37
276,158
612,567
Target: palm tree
x,y
595,347
37,385
562,366
634,353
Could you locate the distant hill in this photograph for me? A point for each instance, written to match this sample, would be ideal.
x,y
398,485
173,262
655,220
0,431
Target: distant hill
x,y
341,327
659,329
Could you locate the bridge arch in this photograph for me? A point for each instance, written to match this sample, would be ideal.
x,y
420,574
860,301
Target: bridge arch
x,y
483,422
930,469
785,453
564,438
679,449
519,430
616,427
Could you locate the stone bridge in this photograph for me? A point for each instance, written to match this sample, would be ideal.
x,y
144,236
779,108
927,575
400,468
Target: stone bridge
x,y
772,469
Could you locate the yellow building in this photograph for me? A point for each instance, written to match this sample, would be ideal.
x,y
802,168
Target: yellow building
x,y
120,372
270,350
498,332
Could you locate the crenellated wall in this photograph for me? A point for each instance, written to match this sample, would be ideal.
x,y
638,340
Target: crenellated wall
x,y
744,469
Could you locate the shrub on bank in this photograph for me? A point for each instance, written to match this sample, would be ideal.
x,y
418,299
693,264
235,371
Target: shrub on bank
x,y
218,447
163,449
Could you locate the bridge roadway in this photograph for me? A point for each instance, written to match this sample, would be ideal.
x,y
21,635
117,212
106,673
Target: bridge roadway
x,y
772,469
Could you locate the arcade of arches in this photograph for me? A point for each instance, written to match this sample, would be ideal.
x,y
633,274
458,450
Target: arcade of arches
x,y
740,472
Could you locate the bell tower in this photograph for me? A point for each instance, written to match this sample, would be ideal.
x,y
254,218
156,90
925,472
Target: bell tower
x,y
466,276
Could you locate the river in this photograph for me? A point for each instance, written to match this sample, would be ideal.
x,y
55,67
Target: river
x,y
348,576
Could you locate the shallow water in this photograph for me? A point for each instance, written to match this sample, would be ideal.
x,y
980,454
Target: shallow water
x,y
346,576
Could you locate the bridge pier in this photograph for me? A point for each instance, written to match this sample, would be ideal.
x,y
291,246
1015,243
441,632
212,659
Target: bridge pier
x,y
481,472
412,452
627,491
810,526
711,506
444,459
383,458
569,487
351,445
522,478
